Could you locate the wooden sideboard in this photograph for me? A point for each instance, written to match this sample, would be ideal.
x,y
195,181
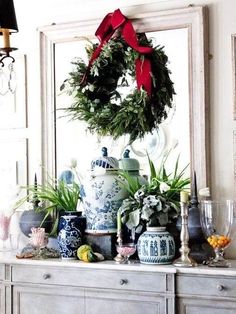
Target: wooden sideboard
x,y
73,287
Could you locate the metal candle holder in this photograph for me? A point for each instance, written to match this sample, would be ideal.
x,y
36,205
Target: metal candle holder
x,y
200,249
119,258
184,260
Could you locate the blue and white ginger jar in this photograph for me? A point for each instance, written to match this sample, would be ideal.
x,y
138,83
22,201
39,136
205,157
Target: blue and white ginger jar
x,y
156,246
69,236
102,195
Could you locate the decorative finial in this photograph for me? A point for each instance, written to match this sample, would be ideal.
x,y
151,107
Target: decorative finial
x,y
35,182
195,183
35,200
126,153
194,195
104,152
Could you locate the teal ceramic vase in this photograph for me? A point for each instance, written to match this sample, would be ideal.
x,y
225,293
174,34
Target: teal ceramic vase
x,y
156,246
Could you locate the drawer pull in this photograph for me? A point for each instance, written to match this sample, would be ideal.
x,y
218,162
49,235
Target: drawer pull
x,y
46,276
123,282
220,288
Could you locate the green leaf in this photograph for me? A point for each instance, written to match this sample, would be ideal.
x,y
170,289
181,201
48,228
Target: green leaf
x,y
146,213
176,166
163,219
130,183
55,227
133,219
153,173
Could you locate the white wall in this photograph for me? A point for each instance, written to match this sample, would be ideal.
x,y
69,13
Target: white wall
x,y
31,14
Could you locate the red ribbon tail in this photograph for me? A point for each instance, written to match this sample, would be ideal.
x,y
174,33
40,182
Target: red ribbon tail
x,y
131,39
143,75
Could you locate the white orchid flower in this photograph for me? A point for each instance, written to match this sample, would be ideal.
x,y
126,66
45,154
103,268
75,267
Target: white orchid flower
x,y
164,187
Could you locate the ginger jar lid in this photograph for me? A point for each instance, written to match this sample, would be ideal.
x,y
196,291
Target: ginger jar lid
x,y
127,163
105,162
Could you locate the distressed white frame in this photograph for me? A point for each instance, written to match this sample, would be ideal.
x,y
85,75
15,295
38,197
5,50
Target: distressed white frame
x,y
195,19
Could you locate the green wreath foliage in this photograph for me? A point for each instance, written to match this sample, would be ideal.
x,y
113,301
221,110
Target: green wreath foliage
x,y
98,100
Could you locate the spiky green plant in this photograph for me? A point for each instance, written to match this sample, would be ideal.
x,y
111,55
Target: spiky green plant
x,y
157,202
55,196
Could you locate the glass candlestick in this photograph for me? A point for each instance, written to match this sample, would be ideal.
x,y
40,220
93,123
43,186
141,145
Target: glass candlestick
x,y
119,258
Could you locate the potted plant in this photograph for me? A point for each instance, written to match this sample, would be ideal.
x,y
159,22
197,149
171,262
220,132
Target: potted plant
x,y
59,200
32,217
56,197
152,207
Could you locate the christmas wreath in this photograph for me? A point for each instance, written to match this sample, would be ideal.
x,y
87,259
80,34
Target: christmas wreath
x,y
121,55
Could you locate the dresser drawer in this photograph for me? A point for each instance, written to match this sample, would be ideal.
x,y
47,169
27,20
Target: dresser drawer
x,y
206,285
94,278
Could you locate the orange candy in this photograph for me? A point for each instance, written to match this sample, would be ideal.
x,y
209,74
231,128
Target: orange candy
x,y
218,241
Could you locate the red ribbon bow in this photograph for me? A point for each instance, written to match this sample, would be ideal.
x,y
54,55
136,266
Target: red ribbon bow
x,y
106,29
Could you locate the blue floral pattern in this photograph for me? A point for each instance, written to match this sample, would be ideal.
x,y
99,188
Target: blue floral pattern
x,y
102,196
69,237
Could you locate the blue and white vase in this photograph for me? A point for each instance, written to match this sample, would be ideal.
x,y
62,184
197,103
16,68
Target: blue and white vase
x,y
102,195
69,236
156,246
